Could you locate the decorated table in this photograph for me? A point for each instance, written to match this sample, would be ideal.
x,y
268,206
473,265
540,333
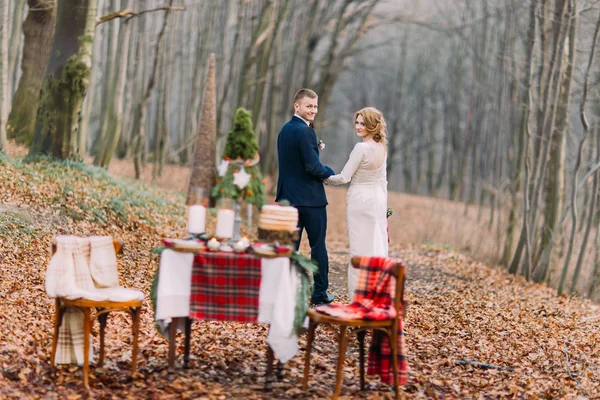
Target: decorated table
x,y
196,284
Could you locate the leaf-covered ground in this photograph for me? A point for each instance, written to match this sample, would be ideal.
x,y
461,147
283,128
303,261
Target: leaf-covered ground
x,y
459,309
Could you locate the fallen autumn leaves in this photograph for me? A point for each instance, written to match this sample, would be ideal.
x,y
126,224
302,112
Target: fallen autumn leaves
x,y
459,309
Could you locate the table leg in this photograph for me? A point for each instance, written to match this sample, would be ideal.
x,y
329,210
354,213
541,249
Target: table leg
x,y
172,344
280,371
188,334
269,375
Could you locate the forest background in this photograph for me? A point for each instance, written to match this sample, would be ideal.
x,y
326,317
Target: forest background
x,y
490,104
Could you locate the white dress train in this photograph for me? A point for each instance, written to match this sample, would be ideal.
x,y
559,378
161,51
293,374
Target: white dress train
x,y
366,203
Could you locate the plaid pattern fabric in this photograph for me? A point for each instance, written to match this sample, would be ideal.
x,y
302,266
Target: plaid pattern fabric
x,y
225,287
380,356
373,301
103,261
69,275
69,349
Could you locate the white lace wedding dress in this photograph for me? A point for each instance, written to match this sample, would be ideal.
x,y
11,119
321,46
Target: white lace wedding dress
x,y
366,203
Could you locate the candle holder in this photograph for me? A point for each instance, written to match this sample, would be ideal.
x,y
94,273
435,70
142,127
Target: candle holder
x,y
237,220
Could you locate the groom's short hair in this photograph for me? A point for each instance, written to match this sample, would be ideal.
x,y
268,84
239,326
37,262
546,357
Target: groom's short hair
x,y
302,93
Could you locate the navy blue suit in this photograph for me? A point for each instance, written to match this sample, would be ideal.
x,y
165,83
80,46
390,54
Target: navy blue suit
x,y
300,182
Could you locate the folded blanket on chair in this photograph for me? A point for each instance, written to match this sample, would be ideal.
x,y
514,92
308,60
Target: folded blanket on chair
x,y
69,275
373,301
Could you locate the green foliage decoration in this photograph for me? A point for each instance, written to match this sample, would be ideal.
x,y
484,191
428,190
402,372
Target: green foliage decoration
x,y
305,268
241,142
241,148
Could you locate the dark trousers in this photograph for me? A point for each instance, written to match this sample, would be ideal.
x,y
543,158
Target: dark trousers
x,y
314,220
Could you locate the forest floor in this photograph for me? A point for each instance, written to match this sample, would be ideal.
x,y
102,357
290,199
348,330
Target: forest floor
x,y
459,308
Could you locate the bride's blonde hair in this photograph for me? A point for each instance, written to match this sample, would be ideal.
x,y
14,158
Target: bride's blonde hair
x,y
374,123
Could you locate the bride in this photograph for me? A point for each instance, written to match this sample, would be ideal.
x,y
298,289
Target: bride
x,y
366,200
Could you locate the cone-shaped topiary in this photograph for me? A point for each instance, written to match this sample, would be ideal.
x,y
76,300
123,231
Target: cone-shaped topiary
x,y
241,142
241,152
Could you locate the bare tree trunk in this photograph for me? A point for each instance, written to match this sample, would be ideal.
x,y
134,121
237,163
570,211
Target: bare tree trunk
x,y
4,68
114,121
586,129
15,42
38,30
139,122
162,141
269,161
263,64
520,143
397,101
94,91
232,63
136,80
333,61
66,81
550,101
596,268
109,88
204,35
554,185
260,33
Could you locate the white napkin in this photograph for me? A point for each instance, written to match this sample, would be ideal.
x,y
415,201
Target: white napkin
x,y
279,284
174,285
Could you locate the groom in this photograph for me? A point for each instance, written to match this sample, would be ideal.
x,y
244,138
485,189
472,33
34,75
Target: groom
x,y
301,176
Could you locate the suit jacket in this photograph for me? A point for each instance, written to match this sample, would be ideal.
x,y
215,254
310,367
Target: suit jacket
x,y
301,173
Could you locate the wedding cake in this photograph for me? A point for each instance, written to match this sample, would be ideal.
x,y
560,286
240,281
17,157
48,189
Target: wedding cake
x,y
278,223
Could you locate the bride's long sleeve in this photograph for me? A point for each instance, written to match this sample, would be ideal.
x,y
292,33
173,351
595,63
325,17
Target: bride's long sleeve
x,y
349,169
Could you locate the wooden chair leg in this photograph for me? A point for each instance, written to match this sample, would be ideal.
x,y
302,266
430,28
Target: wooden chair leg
x,y
394,346
87,329
309,340
339,376
57,322
361,357
135,313
102,318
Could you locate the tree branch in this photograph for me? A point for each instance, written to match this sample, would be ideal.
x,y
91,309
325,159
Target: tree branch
x,y
482,365
411,21
129,13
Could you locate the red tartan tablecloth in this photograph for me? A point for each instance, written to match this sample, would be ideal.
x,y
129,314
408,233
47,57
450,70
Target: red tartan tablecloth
x,y
225,287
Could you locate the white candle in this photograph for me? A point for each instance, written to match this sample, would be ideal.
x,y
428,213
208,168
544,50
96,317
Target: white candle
x,y
225,224
196,219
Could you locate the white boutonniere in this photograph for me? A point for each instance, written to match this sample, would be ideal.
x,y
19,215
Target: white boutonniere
x,y
321,145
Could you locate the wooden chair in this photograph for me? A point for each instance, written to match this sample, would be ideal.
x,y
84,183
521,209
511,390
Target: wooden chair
x,y
101,310
390,327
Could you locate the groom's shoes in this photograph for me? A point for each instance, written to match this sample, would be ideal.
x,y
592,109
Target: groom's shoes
x,y
322,300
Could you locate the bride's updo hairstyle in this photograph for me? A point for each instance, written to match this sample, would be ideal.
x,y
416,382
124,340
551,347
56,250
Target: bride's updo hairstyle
x,y
374,123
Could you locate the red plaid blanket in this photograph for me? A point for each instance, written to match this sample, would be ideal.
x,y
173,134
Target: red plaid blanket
x,y
373,301
225,287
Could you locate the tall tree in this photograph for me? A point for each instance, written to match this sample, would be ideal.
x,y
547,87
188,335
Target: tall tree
x,y
15,42
66,80
38,30
4,67
139,123
113,124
